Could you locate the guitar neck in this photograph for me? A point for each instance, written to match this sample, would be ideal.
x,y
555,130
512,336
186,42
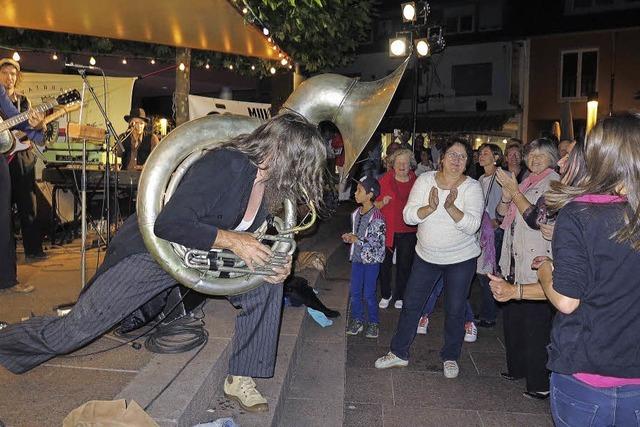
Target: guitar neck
x,y
23,117
57,114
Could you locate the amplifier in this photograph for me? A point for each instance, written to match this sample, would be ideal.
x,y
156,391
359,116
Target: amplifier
x,y
63,153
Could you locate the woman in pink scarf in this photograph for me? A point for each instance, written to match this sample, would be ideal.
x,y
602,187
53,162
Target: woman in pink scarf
x,y
526,323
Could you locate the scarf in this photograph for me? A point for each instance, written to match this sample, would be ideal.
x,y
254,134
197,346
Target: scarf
x,y
527,183
600,198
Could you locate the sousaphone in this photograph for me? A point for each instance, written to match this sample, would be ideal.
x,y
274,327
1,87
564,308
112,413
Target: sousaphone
x,y
356,108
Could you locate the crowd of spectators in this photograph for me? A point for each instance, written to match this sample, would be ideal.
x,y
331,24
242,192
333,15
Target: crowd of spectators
x,y
550,230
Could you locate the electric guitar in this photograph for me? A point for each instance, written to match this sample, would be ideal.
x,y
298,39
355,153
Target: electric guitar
x,y
22,143
7,139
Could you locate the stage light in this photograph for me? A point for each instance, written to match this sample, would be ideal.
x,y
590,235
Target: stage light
x,y
54,57
272,70
92,61
265,31
408,11
124,61
422,47
153,61
398,46
16,56
182,67
284,61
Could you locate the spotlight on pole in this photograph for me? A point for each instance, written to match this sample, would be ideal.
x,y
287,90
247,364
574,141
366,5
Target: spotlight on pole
x,y
422,47
398,47
408,11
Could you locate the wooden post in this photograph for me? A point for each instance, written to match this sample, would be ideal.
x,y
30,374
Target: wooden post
x,y
297,77
183,86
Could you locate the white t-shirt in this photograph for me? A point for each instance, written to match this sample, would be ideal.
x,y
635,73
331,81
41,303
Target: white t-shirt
x,y
440,239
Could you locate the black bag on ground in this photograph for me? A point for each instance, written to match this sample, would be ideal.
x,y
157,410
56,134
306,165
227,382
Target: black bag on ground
x,y
299,292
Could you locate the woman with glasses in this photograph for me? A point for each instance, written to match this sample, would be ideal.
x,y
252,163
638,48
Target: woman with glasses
x,y
526,323
447,207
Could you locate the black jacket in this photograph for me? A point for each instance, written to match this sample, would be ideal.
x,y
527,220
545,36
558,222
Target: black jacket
x,y
212,195
144,149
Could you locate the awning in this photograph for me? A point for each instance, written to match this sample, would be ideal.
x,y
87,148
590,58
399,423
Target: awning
x,y
200,24
468,122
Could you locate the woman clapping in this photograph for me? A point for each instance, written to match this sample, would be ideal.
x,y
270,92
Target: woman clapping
x,y
447,207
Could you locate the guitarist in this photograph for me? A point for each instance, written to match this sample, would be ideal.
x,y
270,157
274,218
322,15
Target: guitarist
x,y
22,168
8,277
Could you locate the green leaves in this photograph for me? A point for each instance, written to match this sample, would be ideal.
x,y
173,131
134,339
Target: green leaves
x,y
319,34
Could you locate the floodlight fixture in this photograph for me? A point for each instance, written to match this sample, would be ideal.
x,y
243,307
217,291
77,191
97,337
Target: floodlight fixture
x,y
398,46
422,47
408,11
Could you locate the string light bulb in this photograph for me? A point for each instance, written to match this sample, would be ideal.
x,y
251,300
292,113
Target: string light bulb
x,y
290,66
272,70
124,61
16,56
92,61
284,61
253,68
153,61
245,10
207,66
54,57
269,39
182,67
265,31
231,66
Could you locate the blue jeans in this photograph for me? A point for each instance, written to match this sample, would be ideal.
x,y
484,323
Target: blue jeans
x,y
574,403
363,281
433,298
422,280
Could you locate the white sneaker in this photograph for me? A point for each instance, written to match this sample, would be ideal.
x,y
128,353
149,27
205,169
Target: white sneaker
x,y
470,332
390,360
243,390
450,369
384,302
398,304
423,324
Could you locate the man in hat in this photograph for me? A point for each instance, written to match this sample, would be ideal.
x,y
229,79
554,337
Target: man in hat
x,y
12,104
138,144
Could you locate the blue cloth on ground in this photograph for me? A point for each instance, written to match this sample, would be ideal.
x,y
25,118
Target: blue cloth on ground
x,y
319,317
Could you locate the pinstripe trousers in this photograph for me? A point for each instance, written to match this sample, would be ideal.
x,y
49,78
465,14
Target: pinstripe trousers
x,y
119,291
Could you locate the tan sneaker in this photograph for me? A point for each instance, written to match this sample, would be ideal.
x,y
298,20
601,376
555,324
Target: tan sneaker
x,y
243,390
21,288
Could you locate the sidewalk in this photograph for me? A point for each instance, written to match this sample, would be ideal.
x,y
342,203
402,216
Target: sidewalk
x,y
419,395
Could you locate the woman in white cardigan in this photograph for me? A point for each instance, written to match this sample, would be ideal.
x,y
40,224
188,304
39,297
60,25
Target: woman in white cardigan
x,y
527,324
447,207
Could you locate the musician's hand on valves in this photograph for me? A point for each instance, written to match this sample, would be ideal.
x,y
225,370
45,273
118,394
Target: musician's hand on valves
x,y
282,272
247,247
36,119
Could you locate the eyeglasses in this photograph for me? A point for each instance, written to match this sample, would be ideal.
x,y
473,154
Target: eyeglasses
x,y
456,156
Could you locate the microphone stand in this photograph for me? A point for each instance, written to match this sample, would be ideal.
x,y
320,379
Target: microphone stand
x,y
110,131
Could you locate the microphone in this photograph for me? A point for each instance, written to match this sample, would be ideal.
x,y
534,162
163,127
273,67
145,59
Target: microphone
x,y
81,67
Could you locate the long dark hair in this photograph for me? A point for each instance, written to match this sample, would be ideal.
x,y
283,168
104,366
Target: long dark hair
x,y
293,152
612,159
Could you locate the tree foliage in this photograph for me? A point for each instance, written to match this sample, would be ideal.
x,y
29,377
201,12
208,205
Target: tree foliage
x,y
319,34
